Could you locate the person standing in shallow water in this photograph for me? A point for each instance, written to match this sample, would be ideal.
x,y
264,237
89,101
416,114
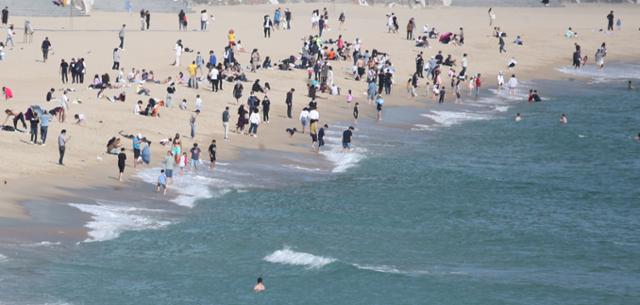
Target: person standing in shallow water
x,y
122,158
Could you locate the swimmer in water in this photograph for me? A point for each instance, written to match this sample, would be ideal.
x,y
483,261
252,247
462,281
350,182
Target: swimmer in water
x,y
630,85
259,287
518,117
638,137
563,119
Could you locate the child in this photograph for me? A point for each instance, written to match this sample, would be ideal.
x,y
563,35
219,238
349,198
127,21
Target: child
x,y
162,183
349,97
182,163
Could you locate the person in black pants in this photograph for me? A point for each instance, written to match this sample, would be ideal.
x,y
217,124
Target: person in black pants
x,y
62,144
266,105
122,158
33,123
267,26
610,21
289,102
64,71
46,45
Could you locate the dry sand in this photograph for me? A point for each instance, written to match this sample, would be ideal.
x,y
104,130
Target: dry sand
x,y
31,172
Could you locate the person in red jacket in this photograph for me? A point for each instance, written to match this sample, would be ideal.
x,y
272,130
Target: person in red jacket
x,y
478,85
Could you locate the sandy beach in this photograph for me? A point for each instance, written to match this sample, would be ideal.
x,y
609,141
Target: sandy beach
x,y
30,172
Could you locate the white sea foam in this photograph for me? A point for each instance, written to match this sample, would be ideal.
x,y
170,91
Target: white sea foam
x,y
450,118
287,256
422,127
501,108
610,72
3,258
109,221
343,160
302,168
190,187
43,244
380,268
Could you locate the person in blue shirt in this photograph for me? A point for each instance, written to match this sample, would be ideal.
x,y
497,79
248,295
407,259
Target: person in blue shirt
x,y
162,182
136,149
45,118
213,60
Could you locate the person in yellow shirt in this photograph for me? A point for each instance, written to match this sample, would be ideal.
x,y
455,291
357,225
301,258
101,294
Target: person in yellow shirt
x,y
232,38
193,70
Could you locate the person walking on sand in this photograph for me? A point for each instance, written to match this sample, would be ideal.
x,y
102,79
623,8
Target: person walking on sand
x,y
501,45
116,59
10,34
492,16
289,102
121,36
122,158
266,26
34,120
46,45
225,122
62,145
192,123
411,26
254,120
45,118
610,18
5,15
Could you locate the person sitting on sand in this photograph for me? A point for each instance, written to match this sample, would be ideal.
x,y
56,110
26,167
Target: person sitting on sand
x,y
518,41
570,33
80,119
141,90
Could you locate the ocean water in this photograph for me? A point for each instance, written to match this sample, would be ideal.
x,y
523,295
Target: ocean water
x,y
458,204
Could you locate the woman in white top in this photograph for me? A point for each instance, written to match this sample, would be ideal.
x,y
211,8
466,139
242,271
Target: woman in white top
x,y
513,84
204,20
10,34
492,16
500,80
304,118
254,120
178,49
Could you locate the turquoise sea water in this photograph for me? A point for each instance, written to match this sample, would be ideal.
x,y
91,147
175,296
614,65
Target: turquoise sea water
x,y
474,209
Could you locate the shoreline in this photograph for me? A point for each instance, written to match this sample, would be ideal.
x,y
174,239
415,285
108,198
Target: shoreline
x,y
86,173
